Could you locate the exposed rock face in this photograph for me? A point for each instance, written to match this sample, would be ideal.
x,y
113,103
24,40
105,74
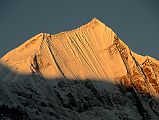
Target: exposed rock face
x,y
91,52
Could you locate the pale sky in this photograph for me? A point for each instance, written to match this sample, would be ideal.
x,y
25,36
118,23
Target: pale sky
x,y
136,22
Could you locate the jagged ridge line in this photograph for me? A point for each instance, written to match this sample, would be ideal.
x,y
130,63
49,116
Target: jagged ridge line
x,y
55,60
147,83
145,106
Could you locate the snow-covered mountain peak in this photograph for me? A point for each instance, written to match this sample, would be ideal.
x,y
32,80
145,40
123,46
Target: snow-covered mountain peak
x,y
92,51
115,82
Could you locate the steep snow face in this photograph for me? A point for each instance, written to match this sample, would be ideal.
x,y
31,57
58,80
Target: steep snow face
x,y
82,53
87,52
92,51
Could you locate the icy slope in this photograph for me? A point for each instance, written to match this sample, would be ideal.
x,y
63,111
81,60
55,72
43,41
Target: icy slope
x,y
87,52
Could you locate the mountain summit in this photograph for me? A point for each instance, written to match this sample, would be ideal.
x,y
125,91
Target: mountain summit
x,y
90,52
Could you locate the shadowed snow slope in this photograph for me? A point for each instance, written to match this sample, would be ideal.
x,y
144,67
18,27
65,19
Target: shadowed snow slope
x,y
92,52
